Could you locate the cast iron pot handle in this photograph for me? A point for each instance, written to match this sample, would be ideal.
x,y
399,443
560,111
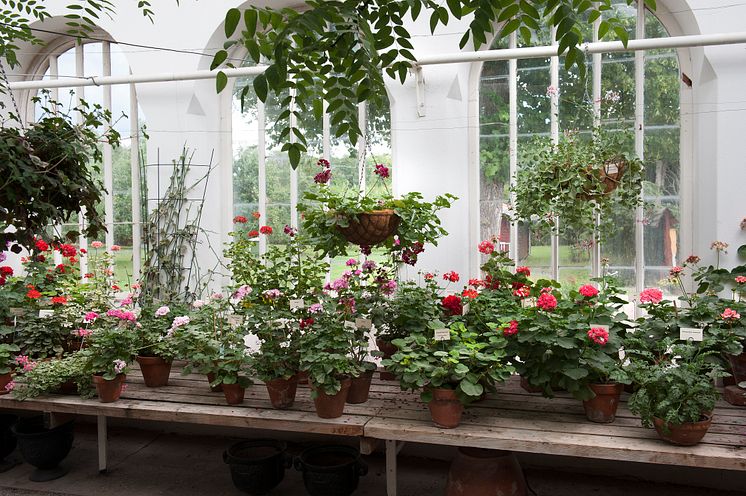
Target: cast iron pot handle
x,y
362,468
298,465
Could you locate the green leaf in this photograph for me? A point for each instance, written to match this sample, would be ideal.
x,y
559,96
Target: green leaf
x,y
575,374
219,58
471,389
260,87
221,80
742,251
455,7
232,18
294,156
250,18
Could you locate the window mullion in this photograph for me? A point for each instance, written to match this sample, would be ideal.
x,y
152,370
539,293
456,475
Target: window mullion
x,y
79,96
640,146
513,141
597,68
554,132
135,203
262,159
107,151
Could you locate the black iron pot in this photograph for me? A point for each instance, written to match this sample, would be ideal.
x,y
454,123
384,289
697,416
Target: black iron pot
x,y
257,466
44,448
7,438
331,470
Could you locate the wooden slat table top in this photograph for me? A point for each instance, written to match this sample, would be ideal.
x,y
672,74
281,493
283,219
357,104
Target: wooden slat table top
x,y
510,419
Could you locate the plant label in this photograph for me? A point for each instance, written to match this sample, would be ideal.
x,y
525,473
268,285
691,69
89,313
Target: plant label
x,y
528,302
16,311
297,304
602,326
45,314
235,320
363,323
350,325
465,309
442,335
693,333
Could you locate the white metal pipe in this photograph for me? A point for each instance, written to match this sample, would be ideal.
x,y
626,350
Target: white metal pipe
x,y
554,134
79,97
513,144
107,152
597,68
539,52
640,149
135,201
261,118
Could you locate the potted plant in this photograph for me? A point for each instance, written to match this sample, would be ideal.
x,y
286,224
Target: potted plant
x,y
7,362
231,369
325,346
111,348
156,348
38,378
675,390
579,179
332,219
449,366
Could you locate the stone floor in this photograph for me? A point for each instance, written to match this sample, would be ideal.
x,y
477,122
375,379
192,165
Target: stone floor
x,y
148,463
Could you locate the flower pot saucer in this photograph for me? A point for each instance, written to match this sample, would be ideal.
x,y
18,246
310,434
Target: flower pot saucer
x,y
9,463
45,475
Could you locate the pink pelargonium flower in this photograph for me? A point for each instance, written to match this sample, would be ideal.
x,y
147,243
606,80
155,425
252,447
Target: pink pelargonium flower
x,y
198,303
82,333
340,283
369,265
676,271
316,308
546,301
90,317
242,292
115,248
598,335
323,177
351,262
122,314
730,314
588,291
741,280
119,366
511,328
388,287
97,244
381,171
651,295
272,294
10,386
162,311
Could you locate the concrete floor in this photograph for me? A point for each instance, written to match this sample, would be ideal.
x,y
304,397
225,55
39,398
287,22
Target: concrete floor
x,y
148,463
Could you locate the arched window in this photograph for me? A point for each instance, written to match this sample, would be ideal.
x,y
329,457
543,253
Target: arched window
x,y
263,180
520,100
67,59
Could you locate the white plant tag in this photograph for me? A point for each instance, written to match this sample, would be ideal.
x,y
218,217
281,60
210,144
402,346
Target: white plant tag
x,y
693,333
45,314
465,309
235,320
612,168
363,323
350,325
442,335
528,302
16,311
297,304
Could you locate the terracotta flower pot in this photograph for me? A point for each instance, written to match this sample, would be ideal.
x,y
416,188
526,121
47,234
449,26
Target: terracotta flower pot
x,y
602,408
738,367
388,350
686,434
282,392
109,390
445,408
234,393
331,406
360,388
211,379
4,381
485,472
529,387
155,370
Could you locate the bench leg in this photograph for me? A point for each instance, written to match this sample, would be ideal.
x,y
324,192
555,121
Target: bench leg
x,y
391,452
102,443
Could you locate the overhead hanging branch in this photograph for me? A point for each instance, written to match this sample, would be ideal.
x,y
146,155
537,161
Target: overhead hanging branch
x,y
337,51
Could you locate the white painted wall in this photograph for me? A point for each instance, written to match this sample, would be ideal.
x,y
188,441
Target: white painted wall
x,y
435,153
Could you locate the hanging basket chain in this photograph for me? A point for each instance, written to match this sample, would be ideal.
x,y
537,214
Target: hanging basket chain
x,y
6,89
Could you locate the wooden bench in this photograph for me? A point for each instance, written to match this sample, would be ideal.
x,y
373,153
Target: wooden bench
x,y
511,419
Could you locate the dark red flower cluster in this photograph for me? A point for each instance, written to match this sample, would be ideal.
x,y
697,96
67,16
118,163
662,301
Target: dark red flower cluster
x,y
6,271
511,328
240,219
477,283
41,245
253,233
451,276
409,255
323,177
68,250
452,304
304,323
547,302
523,270
429,276
381,171
60,268
290,231
365,250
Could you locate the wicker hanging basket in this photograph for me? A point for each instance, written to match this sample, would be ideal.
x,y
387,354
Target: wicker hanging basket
x,y
611,174
371,228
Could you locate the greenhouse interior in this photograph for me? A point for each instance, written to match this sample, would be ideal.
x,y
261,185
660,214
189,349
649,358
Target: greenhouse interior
x,y
380,247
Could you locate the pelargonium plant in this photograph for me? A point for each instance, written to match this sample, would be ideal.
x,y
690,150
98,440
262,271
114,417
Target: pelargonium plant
x,y
112,343
328,209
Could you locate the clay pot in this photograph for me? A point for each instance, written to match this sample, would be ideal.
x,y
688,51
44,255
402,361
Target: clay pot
x,y
360,388
371,228
331,406
686,434
282,392
155,370
257,466
738,367
485,472
602,407
211,379
445,408
530,387
109,390
4,381
388,350
234,393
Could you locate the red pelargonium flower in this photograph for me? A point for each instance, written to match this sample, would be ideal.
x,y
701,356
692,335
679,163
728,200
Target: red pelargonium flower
x,y
256,215
451,276
74,260
470,293
676,271
304,323
486,247
588,291
6,271
240,219
523,270
41,245
323,177
730,314
59,300
265,230
547,302
2,281
322,162
651,295
741,280
41,258
477,283
253,233
511,328
381,171
89,275
116,288
60,268
522,292
692,260
429,276
33,294
452,304
68,250
598,335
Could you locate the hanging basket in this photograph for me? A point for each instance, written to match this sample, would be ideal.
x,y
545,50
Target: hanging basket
x,y
610,174
371,228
